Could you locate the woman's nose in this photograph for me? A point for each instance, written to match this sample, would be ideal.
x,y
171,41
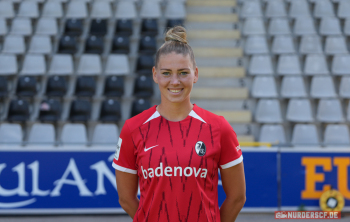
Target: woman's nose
x,y
175,80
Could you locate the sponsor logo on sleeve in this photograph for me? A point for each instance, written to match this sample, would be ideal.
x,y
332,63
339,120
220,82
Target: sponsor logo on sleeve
x,y
117,152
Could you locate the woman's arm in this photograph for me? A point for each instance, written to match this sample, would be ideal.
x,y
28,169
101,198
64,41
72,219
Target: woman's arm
x,y
127,186
233,182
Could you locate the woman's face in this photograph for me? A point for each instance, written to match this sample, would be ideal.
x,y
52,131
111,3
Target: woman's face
x,y
175,76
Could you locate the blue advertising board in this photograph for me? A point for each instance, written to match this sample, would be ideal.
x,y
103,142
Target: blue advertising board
x,y
83,181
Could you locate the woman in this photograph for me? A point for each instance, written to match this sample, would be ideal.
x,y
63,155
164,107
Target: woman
x,y
174,150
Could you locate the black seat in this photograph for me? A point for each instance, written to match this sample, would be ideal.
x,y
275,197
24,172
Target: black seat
x,y
110,111
74,27
148,45
145,64
143,86
50,110
121,44
124,27
114,86
80,111
85,86
99,27
139,105
56,86
149,27
94,44
26,86
68,44
3,86
174,22
18,110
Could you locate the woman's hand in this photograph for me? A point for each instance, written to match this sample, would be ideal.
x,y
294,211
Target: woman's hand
x,y
127,185
233,182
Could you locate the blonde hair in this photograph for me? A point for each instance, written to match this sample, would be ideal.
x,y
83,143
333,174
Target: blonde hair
x,y
176,41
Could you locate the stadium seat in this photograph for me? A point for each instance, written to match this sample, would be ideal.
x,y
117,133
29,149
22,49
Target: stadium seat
x,y
26,86
89,65
310,44
329,111
52,9
279,26
174,22
50,110
21,26
33,65
299,8
253,26
149,27
288,65
304,135
341,65
260,65
275,8
94,44
148,45
322,87
18,110
74,134
272,134
150,10
40,44
124,27
315,64
145,64
10,133
335,45
343,9
3,87
61,65
347,27
264,87
46,26
85,86
42,134
304,26
8,64
282,44
106,134
175,10
143,87
114,86
56,86
251,9
74,27
28,9
344,89
101,9
336,134
323,8
139,105
99,27
268,111
126,10
299,110
6,10
68,45
77,9
110,111
80,111
3,27
293,87
121,44
330,26
13,44
117,65
256,45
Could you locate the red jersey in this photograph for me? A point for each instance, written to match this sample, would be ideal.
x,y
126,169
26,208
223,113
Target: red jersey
x,y
177,163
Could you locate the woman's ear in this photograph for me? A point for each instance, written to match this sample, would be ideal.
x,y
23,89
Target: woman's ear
x,y
195,75
154,74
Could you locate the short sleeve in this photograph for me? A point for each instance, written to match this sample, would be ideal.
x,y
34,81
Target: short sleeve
x,y
124,158
231,153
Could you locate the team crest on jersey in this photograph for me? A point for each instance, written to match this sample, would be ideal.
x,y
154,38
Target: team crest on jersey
x,y
200,148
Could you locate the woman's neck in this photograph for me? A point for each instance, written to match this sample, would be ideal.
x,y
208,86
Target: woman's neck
x,y
174,111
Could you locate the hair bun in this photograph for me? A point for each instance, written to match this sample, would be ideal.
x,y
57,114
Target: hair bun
x,y
177,33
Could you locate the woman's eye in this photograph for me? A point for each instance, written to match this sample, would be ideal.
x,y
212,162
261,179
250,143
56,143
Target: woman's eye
x,y
166,73
183,73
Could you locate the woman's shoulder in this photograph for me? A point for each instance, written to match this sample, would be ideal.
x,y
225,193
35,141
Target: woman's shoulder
x,y
208,116
141,118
